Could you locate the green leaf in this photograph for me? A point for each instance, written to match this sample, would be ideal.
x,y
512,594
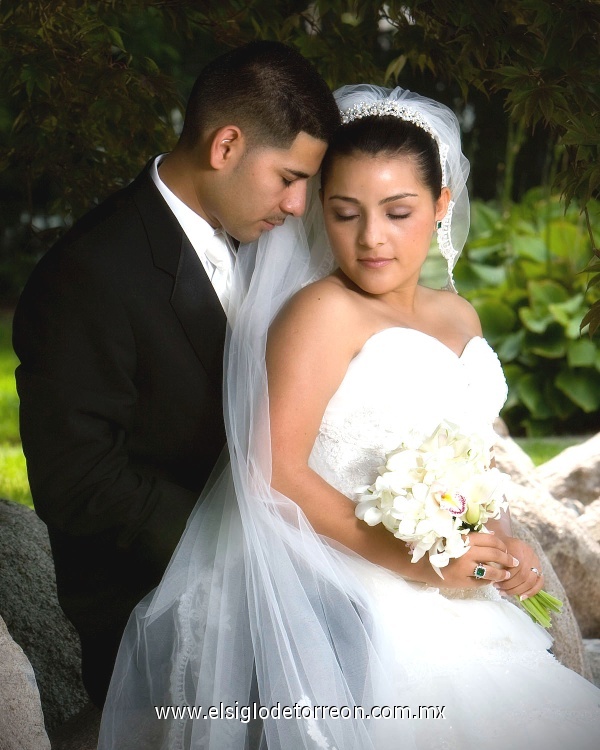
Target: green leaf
x,y
151,65
497,318
566,240
592,318
581,353
533,248
582,387
510,346
513,373
562,407
565,312
531,390
544,293
535,320
484,218
116,38
395,67
490,275
551,344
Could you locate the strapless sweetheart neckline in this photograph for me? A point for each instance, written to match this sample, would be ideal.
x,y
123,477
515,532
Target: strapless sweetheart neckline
x,y
406,329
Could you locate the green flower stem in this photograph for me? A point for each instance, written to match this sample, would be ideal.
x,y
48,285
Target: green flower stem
x,y
539,607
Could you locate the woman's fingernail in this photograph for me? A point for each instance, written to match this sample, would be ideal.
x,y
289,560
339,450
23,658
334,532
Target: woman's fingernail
x,y
506,575
523,597
515,562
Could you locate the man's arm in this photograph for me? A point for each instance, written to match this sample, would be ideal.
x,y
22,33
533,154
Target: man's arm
x,y
76,382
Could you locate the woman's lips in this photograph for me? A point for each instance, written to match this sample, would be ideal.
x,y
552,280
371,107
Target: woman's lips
x,y
375,262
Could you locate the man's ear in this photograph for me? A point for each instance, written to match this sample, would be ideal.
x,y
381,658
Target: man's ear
x,y
227,146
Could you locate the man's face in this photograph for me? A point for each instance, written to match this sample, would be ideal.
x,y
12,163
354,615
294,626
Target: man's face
x,y
265,186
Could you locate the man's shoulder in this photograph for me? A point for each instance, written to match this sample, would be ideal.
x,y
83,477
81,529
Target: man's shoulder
x,y
115,233
116,216
108,247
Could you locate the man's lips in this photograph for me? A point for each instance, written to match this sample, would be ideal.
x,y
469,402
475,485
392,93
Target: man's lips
x,y
273,223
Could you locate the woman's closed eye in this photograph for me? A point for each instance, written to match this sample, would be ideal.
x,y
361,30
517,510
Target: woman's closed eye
x,y
345,217
349,217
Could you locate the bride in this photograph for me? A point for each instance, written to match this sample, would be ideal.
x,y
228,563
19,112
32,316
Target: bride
x,y
284,621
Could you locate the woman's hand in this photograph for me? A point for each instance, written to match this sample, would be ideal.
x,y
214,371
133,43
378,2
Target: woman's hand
x,y
485,550
525,581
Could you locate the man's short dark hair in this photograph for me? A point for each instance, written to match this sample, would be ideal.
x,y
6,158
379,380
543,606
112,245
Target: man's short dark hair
x,y
266,88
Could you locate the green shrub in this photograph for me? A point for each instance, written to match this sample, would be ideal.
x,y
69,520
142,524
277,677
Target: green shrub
x,y
521,269
13,473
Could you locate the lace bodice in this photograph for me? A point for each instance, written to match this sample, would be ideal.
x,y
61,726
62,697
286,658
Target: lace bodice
x,y
403,381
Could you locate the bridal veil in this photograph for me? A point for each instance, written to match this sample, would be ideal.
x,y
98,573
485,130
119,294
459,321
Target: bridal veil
x,y
257,616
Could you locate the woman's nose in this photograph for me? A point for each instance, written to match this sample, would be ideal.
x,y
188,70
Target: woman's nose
x,y
371,234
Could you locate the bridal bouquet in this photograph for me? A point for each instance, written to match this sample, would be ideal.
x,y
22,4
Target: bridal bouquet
x,y
431,494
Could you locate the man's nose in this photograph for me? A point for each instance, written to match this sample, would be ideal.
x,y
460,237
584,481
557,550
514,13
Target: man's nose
x,y
294,201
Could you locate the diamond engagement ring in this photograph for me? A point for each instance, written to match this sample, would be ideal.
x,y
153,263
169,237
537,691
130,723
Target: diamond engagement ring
x,y
537,572
479,571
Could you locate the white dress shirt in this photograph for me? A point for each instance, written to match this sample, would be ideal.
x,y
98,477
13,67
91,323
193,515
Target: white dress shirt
x,y
213,247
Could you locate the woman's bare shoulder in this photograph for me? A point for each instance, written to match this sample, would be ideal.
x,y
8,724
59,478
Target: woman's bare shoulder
x,y
458,309
325,304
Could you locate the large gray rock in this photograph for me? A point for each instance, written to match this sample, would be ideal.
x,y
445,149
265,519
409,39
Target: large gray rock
x,y
21,718
567,646
513,460
572,551
80,732
33,616
589,521
574,473
569,531
592,650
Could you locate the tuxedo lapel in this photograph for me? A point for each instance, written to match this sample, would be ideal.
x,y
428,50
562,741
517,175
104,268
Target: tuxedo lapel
x,y
193,297
198,308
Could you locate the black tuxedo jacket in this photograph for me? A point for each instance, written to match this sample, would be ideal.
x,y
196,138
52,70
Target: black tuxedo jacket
x,y
120,336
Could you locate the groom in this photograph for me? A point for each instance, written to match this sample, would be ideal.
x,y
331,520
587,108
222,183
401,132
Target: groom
x,y
120,333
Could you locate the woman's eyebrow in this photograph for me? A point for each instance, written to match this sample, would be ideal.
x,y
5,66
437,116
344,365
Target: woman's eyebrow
x,y
381,202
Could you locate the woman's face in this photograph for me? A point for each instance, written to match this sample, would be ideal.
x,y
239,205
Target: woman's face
x,y
380,219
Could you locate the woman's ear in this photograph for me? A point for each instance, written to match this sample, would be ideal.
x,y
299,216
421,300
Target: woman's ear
x,y
441,205
226,147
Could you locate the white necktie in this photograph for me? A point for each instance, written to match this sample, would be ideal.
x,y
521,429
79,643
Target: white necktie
x,y
221,260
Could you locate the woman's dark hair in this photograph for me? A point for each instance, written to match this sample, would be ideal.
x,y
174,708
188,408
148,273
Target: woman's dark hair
x,y
385,135
266,88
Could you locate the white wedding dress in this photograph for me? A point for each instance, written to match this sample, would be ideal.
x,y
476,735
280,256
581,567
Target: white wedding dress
x,y
474,657
319,626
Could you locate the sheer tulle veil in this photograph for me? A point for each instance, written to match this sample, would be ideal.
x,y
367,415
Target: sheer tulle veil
x,y
255,608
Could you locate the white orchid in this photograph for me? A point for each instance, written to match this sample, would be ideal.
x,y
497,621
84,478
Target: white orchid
x,y
431,493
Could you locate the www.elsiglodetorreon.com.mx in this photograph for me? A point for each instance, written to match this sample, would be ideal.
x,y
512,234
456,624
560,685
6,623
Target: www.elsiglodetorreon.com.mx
x,y
300,710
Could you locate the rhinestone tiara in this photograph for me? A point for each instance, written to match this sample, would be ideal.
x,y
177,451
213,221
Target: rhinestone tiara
x,y
386,107
396,109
